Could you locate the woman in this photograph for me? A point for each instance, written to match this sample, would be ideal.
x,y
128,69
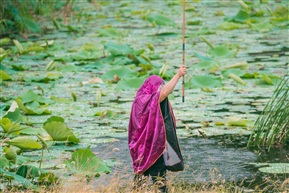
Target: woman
x,y
152,136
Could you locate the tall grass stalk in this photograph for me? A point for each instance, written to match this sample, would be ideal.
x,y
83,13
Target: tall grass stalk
x,y
272,126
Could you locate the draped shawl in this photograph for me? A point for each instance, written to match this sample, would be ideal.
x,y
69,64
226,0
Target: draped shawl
x,y
146,131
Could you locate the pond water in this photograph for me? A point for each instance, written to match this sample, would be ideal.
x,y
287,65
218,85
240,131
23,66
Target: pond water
x,y
207,160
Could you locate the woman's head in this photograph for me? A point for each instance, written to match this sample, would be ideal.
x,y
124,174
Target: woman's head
x,y
150,85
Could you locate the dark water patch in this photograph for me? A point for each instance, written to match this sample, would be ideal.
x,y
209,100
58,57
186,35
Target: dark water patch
x,y
281,52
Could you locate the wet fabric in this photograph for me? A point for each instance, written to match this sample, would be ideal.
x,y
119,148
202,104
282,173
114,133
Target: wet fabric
x,y
147,129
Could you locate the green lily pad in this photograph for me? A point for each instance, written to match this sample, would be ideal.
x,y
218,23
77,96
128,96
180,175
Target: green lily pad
x,y
118,49
262,27
241,17
130,84
121,72
221,51
160,20
4,41
276,168
203,81
4,76
19,67
229,26
32,108
109,32
236,71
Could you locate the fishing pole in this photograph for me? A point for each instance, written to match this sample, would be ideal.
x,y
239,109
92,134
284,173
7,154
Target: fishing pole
x,y
183,55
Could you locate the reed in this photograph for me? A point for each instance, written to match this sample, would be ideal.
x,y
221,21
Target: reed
x,y
272,126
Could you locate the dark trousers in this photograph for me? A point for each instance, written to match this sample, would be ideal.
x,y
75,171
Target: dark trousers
x,y
158,174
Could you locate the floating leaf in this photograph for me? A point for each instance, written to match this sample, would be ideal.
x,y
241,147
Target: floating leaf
x,y
131,83
60,132
19,179
235,121
53,118
267,79
32,108
276,168
6,124
203,81
4,41
160,20
2,56
235,71
237,78
121,72
118,49
13,113
24,142
262,27
229,26
241,65
109,32
10,154
19,46
74,96
19,67
50,65
194,22
241,17
221,51
4,76
84,162
29,172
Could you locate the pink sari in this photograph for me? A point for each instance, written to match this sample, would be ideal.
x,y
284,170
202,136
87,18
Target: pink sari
x,y
146,131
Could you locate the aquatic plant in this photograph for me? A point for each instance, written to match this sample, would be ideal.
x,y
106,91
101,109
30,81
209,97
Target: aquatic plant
x,y
272,125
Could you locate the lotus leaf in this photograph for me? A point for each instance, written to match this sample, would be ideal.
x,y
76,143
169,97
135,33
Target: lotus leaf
x,y
262,27
241,17
121,72
32,108
4,163
19,179
19,67
229,26
131,83
109,32
10,154
235,71
60,132
24,142
160,20
84,162
118,49
276,168
28,171
5,124
4,76
2,55
4,41
203,81
221,51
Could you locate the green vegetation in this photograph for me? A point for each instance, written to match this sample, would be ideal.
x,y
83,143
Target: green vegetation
x,y
69,71
272,127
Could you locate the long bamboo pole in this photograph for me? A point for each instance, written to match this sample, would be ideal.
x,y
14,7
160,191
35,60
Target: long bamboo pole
x,y
183,57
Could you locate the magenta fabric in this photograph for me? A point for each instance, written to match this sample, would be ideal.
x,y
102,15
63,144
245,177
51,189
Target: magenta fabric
x,y
146,132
